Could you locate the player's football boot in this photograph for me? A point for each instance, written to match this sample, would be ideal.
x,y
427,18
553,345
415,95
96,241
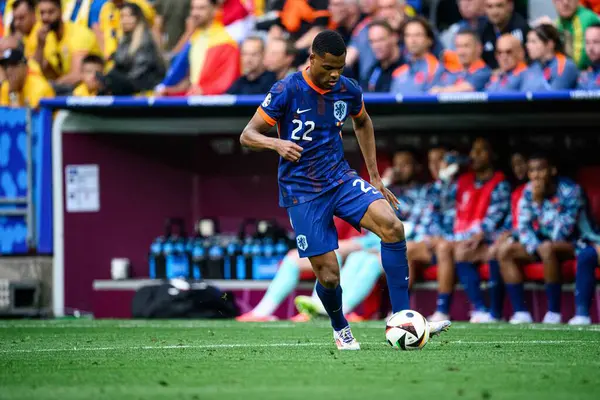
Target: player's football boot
x,y
521,317
579,320
436,328
438,316
250,317
481,317
344,339
300,317
551,318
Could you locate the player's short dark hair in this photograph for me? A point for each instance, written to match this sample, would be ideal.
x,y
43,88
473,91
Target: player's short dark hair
x,y
470,32
30,4
383,24
413,151
548,33
57,3
93,59
330,42
541,154
424,24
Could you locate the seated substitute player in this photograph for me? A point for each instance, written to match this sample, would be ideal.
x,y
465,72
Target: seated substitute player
x,y
482,204
316,183
548,213
587,260
518,164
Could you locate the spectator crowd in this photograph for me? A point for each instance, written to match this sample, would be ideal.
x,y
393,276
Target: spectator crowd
x,y
469,220
206,47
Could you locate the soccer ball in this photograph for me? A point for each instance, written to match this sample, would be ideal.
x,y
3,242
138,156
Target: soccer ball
x,y
407,330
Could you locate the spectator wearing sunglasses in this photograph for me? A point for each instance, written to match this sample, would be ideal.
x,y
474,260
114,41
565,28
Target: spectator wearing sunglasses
x,y
510,55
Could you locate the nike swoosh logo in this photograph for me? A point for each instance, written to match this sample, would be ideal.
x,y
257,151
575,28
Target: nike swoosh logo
x,y
298,111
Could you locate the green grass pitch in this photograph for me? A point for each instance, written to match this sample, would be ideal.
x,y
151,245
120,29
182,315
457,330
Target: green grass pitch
x,y
86,359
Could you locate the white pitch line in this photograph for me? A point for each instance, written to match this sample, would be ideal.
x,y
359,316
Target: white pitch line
x,y
171,347
240,345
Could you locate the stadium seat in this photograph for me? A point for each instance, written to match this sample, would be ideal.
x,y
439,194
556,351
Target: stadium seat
x,y
535,271
430,273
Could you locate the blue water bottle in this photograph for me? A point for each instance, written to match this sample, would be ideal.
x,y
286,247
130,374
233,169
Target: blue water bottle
x,y
156,259
216,261
231,260
244,269
198,259
257,257
281,249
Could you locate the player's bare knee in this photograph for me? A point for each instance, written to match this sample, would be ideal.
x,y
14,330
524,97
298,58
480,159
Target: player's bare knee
x,y
461,252
392,231
329,279
546,250
504,253
443,249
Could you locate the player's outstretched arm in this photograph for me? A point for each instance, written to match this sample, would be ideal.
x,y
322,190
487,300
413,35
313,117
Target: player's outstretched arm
x,y
254,137
363,127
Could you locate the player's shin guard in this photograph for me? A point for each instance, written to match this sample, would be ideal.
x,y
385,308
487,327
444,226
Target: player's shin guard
x,y
553,295
585,281
496,285
332,301
468,275
395,265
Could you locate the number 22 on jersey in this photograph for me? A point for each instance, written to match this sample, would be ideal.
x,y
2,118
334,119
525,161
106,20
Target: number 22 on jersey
x,y
299,126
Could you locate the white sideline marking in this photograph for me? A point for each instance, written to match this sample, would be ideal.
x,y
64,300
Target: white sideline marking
x,y
171,347
239,345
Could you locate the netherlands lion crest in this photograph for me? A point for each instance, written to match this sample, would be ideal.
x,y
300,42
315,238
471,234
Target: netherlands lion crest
x,y
339,110
301,242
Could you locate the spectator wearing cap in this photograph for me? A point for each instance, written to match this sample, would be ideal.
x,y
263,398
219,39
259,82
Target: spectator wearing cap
x,y
473,74
573,21
62,46
551,69
590,79
255,79
209,62
108,30
501,18
22,87
510,56
384,42
344,15
473,17
82,12
279,57
423,70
